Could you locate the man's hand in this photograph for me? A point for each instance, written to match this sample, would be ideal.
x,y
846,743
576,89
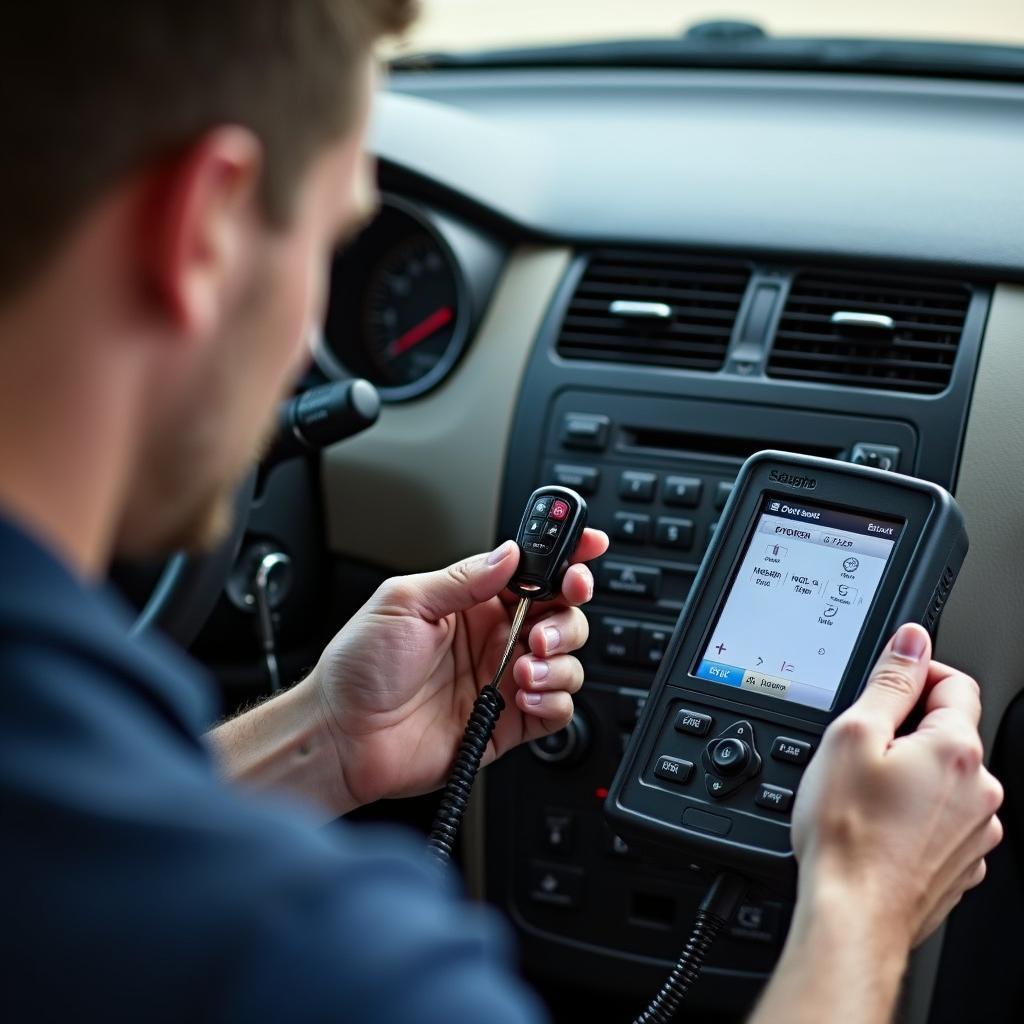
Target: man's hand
x,y
902,821
398,682
889,832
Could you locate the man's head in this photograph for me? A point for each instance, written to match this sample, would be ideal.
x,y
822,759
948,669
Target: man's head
x,y
179,173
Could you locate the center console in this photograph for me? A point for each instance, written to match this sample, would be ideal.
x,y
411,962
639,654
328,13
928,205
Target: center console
x,y
655,452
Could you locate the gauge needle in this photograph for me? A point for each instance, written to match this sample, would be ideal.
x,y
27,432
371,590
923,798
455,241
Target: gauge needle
x,y
423,330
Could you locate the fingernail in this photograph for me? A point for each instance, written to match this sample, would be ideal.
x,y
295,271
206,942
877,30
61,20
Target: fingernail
x,y
539,670
910,643
551,638
533,699
500,552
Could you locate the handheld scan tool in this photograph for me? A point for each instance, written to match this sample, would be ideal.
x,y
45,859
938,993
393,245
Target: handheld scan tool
x,y
814,565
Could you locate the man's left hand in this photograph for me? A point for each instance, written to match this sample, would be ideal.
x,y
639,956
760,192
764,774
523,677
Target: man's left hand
x,y
398,682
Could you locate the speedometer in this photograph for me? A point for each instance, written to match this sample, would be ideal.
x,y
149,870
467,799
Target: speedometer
x,y
398,312
409,318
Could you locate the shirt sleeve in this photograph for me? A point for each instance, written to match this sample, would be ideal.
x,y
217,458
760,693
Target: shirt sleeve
x,y
139,886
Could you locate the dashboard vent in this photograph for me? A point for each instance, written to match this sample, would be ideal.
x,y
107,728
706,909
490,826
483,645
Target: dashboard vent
x,y
897,334
660,309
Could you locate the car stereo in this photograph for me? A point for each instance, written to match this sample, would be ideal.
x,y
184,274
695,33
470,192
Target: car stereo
x,y
813,566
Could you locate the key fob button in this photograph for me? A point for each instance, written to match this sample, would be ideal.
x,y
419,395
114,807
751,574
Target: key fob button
x,y
536,547
542,505
534,528
559,509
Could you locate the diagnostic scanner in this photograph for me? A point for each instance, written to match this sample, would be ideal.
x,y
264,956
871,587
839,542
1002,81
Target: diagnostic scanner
x,y
814,565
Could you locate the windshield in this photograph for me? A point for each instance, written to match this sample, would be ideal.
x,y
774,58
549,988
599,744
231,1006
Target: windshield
x,y
454,26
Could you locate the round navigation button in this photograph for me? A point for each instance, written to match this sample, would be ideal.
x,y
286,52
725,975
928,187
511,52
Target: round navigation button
x,y
730,756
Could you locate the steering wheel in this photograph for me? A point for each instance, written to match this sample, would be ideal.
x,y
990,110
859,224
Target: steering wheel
x,y
189,585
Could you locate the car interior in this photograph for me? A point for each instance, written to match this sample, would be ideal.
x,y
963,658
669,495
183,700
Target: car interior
x,y
623,261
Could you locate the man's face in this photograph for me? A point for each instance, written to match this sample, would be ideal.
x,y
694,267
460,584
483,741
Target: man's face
x,y
198,454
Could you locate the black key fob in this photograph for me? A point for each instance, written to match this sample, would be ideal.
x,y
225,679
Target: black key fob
x,y
552,525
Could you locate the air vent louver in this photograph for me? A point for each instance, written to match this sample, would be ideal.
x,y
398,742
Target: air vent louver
x,y
661,309
897,334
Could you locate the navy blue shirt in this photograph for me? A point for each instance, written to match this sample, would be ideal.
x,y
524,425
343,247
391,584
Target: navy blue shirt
x,y
139,887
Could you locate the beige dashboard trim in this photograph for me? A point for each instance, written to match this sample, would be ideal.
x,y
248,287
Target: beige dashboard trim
x,y
421,488
981,630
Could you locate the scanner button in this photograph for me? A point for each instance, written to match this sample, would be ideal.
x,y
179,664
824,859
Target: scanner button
x,y
692,722
719,787
740,731
775,798
673,769
793,751
730,756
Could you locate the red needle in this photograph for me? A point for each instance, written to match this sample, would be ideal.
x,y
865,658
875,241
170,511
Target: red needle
x,y
423,330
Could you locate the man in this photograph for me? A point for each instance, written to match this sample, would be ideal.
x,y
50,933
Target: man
x,y
177,175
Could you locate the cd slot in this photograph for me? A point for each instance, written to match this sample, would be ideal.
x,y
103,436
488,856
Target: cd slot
x,y
673,443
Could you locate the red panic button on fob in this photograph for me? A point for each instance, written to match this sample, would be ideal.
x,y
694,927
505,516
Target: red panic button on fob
x,y
559,509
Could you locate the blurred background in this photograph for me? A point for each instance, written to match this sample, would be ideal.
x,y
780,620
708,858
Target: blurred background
x,y
473,24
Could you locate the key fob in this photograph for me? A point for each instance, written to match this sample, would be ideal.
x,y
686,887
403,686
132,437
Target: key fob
x,y
552,525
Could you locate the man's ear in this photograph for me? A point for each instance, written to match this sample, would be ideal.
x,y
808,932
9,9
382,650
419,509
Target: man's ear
x,y
198,224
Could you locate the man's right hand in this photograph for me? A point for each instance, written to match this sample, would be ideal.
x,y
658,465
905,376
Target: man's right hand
x,y
902,823
889,832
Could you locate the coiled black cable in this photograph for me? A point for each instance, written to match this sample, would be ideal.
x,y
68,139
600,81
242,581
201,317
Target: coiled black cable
x,y
487,708
716,909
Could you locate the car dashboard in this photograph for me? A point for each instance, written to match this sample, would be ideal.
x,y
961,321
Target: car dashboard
x,y
627,281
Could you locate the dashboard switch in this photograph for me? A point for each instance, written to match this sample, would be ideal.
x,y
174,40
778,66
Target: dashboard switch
x,y
557,832
637,486
684,491
585,430
582,479
653,644
618,641
674,533
632,580
556,884
722,492
631,527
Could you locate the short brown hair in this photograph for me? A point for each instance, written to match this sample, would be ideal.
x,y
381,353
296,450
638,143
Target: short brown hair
x,y
94,91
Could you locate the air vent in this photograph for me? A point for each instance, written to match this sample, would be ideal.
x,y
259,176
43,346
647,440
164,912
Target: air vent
x,y
655,308
897,334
